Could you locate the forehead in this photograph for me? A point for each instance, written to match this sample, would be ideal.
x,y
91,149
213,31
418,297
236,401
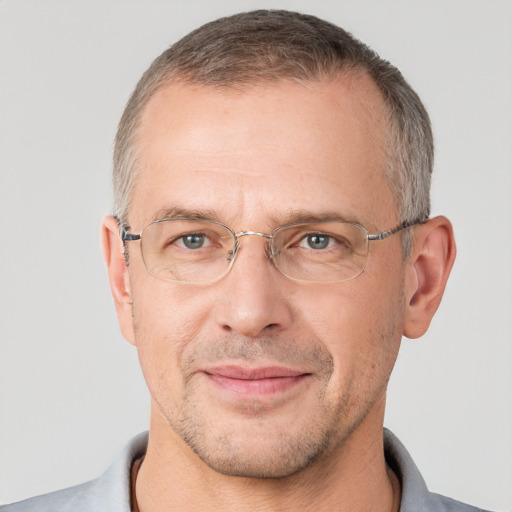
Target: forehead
x,y
264,151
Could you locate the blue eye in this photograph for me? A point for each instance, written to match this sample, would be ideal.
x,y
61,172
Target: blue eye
x,y
318,241
193,241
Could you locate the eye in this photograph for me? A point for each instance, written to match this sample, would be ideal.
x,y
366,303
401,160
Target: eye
x,y
192,241
317,241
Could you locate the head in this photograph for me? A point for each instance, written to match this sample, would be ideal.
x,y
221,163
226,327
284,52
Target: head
x,y
256,121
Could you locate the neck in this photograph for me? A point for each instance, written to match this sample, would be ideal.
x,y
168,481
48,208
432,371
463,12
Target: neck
x,y
353,477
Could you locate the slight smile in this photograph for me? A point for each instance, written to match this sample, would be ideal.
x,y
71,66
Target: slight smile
x,y
255,381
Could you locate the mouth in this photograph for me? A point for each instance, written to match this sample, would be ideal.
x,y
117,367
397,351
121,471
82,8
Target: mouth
x,y
255,381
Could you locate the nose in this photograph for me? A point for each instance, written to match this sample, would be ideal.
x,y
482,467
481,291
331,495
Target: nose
x,y
255,295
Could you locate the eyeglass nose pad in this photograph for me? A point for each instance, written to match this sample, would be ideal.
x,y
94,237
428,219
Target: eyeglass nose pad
x,y
274,253
232,253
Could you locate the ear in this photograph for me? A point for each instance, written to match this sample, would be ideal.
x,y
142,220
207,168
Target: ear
x,y
113,253
428,268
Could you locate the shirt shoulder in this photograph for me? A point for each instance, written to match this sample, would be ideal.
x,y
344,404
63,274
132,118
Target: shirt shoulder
x,y
445,504
75,498
415,495
111,491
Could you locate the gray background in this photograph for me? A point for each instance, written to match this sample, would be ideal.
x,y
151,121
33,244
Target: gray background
x,y
71,392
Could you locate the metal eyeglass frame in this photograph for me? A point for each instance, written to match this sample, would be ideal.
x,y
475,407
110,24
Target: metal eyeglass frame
x,y
130,237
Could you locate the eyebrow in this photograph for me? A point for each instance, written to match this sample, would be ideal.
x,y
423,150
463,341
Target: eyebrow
x,y
177,212
296,216
306,216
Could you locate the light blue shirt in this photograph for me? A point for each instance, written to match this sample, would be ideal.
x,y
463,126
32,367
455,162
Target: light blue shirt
x,y
111,491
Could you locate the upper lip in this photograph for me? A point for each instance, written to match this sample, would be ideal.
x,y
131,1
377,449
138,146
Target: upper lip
x,y
244,373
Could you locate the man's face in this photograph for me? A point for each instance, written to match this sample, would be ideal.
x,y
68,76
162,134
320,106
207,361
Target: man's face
x,y
261,375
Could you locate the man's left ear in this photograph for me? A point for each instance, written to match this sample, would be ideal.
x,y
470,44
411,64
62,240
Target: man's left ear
x,y
428,268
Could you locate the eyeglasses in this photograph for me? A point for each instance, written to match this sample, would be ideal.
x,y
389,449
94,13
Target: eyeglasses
x,y
198,251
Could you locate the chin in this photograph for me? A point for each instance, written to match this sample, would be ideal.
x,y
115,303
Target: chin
x,y
255,450
263,463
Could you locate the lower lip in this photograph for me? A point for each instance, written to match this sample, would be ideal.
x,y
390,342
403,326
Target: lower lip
x,y
257,387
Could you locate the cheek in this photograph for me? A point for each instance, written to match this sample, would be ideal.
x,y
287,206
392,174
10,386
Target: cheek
x,y
166,319
360,323
166,311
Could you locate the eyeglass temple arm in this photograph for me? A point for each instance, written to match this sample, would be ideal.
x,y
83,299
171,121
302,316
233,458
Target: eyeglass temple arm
x,y
125,236
389,232
128,237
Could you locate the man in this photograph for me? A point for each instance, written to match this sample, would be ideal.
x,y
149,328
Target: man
x,y
270,246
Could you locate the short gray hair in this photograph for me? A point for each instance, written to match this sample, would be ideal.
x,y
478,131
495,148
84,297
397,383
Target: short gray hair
x,y
266,46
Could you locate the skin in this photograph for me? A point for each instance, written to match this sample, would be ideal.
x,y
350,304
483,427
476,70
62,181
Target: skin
x,y
223,436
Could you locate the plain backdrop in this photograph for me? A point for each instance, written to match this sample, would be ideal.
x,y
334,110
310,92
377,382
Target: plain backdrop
x,y
71,392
